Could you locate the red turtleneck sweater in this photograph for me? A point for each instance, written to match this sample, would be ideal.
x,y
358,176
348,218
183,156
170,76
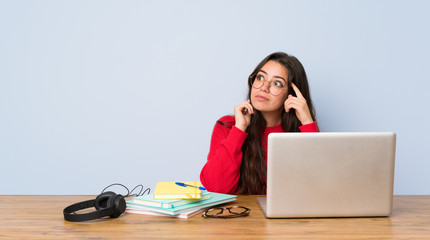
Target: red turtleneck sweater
x,y
222,170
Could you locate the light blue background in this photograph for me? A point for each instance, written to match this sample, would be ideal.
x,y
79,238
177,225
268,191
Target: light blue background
x,y
96,92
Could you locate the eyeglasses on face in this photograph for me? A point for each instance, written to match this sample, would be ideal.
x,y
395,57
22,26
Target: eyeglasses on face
x,y
276,86
233,212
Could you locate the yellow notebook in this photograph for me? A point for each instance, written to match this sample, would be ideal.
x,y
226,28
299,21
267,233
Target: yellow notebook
x,y
169,190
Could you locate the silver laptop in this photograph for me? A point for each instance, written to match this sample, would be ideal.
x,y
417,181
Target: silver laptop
x,y
329,175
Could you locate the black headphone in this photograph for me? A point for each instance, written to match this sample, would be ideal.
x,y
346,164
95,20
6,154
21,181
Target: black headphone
x,y
107,204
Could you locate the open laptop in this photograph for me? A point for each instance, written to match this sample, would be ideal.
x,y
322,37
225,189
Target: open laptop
x,y
329,175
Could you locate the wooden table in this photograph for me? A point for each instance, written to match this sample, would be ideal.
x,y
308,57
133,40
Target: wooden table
x,y
41,217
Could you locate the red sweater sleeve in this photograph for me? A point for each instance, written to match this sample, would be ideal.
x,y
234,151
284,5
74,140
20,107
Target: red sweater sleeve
x,y
311,127
222,169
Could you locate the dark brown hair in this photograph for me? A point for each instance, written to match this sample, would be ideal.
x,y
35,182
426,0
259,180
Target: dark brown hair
x,y
253,168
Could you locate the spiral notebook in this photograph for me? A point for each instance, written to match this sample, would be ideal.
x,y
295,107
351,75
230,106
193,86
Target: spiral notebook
x,y
216,199
149,201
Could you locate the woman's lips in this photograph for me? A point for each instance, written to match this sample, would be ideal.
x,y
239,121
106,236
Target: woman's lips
x,y
261,98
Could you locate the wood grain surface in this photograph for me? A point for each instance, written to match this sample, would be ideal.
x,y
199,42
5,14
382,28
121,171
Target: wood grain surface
x,y
41,217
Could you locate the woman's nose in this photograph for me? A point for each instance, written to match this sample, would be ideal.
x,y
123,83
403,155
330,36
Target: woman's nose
x,y
266,86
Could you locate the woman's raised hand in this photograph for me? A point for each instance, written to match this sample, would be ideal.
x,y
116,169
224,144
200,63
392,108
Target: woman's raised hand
x,y
300,105
242,115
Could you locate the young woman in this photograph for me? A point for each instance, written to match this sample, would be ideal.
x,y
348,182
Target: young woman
x,y
278,101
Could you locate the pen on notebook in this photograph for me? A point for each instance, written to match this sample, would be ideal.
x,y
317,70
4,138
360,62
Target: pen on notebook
x,y
188,185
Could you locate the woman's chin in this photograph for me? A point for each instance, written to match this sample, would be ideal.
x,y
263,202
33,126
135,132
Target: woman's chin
x,y
258,106
265,109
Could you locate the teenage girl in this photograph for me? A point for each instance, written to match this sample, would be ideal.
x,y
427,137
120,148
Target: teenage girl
x,y
278,101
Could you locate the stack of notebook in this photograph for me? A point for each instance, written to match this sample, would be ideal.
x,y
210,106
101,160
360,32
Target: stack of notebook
x,y
179,200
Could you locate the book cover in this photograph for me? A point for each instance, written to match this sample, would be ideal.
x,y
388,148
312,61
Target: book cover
x,y
183,215
149,200
216,199
170,190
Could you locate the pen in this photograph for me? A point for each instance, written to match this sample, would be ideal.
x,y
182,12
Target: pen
x,y
188,185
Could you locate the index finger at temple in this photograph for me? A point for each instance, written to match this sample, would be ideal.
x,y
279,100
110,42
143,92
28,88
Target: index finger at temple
x,y
296,90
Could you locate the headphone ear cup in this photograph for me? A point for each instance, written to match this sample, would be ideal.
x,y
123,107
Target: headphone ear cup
x,y
103,199
119,205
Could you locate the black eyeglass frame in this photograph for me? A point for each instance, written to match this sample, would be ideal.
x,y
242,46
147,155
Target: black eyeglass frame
x,y
246,211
